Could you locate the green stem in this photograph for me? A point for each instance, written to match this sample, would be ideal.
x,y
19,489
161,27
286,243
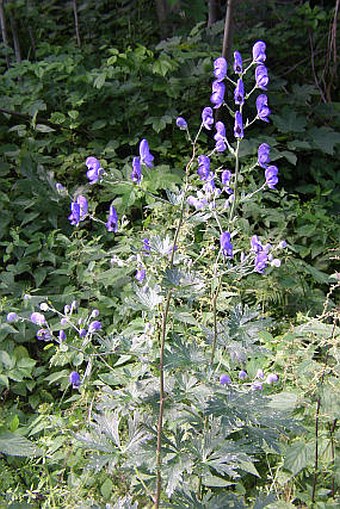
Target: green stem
x,y
163,334
237,171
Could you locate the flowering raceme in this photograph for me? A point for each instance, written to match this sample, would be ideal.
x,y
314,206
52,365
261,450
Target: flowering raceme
x,y
203,167
226,245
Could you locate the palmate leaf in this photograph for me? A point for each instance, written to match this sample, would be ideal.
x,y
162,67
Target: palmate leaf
x,y
13,444
299,456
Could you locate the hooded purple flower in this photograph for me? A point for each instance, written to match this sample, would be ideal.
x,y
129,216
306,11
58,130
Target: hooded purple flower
x,y
43,335
79,210
238,66
220,137
62,335
136,174
225,179
217,96
146,246
145,156
94,326
225,380
209,186
259,52
220,68
38,318
140,275
239,92
238,126
94,171
226,245
261,77
75,380
271,176
262,107
272,378
12,317
112,220
181,123
261,257
203,167
207,117
242,375
263,155
74,217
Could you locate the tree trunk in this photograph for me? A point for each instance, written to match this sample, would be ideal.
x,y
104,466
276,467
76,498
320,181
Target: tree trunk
x,y
228,30
76,22
214,11
4,30
162,13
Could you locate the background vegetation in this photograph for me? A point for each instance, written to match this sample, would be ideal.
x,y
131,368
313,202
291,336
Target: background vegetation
x,y
93,78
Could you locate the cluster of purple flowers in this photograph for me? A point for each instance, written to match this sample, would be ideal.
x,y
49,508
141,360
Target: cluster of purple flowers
x,y
145,157
271,171
256,384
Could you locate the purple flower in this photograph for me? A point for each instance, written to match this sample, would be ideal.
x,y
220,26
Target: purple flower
x,y
62,335
261,77
238,66
83,206
209,186
140,275
145,156
283,244
112,220
197,203
260,374
238,126
75,380
95,171
136,174
239,92
79,210
272,378
74,217
225,177
259,52
95,313
226,245
94,326
271,176
82,333
203,167
242,375
217,96
220,68
207,117
146,246
225,380
12,317
60,188
43,335
38,318
220,137
261,262
256,386
181,123
263,155
262,107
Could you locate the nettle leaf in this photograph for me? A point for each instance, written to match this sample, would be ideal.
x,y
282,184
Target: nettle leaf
x,y
324,138
298,456
13,444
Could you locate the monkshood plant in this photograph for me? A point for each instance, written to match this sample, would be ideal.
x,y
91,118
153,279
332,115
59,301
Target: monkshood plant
x,y
184,414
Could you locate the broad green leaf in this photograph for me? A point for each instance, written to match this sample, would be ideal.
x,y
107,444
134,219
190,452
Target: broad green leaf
x,y
288,121
13,444
298,456
324,138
